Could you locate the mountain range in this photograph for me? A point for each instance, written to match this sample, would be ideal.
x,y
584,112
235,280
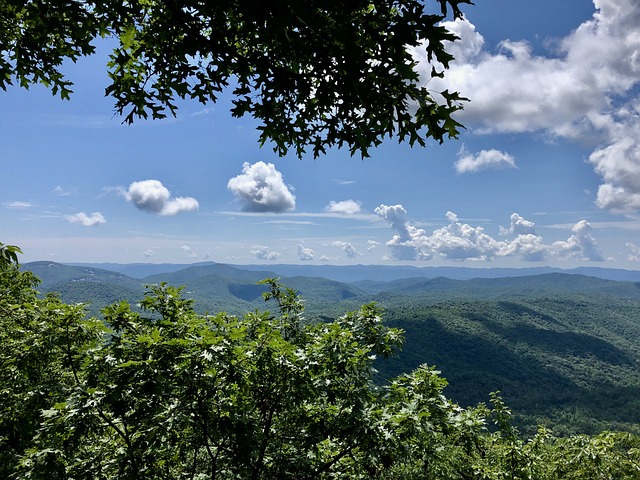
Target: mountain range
x,y
562,347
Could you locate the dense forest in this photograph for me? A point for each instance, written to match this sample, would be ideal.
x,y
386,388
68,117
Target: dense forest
x,y
162,390
562,349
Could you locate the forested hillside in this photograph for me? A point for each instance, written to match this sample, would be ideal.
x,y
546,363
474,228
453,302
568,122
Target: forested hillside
x,y
563,349
567,361
168,393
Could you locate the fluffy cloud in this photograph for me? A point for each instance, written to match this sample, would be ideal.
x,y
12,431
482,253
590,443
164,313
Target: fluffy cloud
x,y
85,220
347,248
261,188
148,253
153,197
586,88
372,244
305,254
262,252
618,163
189,251
634,252
403,245
460,241
519,226
485,159
347,207
581,244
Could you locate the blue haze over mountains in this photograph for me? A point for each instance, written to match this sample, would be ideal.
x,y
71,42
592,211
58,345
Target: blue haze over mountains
x,y
356,273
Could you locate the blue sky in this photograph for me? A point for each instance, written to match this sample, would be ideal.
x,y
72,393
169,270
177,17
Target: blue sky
x,y
546,173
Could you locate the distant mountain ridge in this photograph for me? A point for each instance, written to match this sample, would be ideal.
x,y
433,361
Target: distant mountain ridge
x,y
356,273
220,287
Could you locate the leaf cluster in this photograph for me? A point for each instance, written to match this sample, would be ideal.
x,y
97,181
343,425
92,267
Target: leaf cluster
x,y
315,74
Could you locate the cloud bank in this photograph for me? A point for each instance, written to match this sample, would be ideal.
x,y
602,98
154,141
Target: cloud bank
x,y
261,188
459,241
152,196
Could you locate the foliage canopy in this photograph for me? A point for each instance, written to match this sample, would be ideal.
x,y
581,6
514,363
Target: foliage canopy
x,y
314,73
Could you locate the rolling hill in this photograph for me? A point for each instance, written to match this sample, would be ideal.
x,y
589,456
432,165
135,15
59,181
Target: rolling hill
x,y
564,349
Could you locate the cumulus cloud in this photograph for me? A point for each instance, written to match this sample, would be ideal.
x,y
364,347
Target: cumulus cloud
x,y
261,188
581,244
347,248
347,207
618,163
528,246
634,252
403,245
484,160
519,226
372,244
305,254
460,241
85,220
152,196
263,252
584,89
189,251
148,253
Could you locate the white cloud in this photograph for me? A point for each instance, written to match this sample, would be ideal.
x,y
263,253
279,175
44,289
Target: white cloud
x,y
484,160
61,191
261,188
372,244
189,251
17,205
305,254
347,248
634,252
403,246
153,197
460,241
618,163
347,207
586,89
263,252
519,226
581,245
85,220
148,253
